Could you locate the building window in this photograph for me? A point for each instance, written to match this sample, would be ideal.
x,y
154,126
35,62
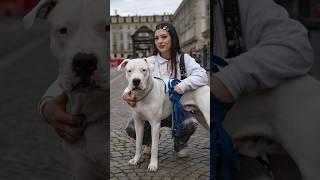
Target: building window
x,y
136,19
143,19
150,19
121,46
128,19
121,36
114,19
158,19
114,46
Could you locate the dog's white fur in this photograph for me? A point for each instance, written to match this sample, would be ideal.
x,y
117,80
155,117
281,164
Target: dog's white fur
x,y
288,115
155,105
83,26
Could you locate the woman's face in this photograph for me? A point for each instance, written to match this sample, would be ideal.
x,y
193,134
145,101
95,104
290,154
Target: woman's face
x,y
162,40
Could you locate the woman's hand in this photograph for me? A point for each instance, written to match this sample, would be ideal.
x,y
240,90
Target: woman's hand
x,y
220,90
66,125
178,90
129,99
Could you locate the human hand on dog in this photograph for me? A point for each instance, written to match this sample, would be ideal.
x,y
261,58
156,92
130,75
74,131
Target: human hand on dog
x,y
66,125
220,90
129,99
178,90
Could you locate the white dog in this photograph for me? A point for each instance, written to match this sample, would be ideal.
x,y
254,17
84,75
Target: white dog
x,y
154,104
286,117
78,39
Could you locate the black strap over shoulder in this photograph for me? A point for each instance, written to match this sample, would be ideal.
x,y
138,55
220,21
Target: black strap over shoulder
x,y
233,27
182,67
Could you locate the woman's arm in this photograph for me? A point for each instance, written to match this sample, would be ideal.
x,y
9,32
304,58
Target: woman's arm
x,y
277,48
196,75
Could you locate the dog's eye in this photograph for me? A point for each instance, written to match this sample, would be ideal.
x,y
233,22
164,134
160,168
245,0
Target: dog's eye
x,y
63,30
129,71
144,70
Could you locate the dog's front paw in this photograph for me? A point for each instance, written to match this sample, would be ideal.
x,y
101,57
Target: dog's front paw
x,y
133,161
153,166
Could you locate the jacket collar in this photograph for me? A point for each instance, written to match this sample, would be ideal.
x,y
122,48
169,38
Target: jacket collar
x,y
161,60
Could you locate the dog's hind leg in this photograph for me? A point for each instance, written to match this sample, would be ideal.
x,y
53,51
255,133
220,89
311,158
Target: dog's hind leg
x,y
203,104
139,126
155,132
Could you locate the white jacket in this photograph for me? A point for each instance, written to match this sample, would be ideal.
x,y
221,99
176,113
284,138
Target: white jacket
x,y
196,76
277,47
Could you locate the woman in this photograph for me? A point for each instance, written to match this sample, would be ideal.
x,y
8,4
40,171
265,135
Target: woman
x,y
167,64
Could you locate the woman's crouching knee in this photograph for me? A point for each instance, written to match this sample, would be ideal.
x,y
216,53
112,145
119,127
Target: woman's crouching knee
x,y
130,129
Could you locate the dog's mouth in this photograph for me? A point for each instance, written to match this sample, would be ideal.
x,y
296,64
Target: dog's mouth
x,y
137,88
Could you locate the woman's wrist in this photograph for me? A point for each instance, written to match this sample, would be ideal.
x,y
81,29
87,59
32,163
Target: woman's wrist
x,y
220,90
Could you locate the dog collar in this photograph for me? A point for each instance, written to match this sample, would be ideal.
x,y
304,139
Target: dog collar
x,y
149,89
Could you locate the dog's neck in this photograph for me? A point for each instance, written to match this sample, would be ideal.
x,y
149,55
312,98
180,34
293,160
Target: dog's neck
x,y
140,95
92,104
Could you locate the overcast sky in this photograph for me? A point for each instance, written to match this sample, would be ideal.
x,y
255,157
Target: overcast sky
x,y
143,7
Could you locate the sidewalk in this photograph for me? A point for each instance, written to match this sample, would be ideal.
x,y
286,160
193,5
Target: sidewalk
x,y
196,166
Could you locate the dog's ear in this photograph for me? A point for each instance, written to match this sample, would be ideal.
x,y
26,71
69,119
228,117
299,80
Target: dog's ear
x,y
123,64
41,10
151,61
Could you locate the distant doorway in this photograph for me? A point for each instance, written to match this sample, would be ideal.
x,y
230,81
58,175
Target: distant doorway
x,y
142,42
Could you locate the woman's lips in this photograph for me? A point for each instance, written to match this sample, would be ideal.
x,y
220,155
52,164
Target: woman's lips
x,y
161,46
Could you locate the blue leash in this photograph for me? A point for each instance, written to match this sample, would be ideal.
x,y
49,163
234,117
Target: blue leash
x,y
220,141
177,108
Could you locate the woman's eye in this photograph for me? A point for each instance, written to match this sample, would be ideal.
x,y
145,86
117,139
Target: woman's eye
x,y
63,30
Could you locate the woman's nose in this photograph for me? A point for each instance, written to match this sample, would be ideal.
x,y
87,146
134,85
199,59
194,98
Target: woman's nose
x,y
160,40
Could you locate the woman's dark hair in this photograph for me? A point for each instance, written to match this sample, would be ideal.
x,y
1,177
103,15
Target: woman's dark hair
x,y
175,45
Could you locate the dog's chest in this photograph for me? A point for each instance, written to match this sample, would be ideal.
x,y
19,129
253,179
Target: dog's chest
x,y
92,104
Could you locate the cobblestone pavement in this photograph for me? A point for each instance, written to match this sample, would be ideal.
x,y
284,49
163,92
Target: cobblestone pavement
x,y
196,166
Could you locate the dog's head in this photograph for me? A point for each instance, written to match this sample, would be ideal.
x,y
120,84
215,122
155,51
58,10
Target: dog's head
x,y
138,72
78,38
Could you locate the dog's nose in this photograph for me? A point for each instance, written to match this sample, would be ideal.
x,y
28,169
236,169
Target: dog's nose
x,y
84,64
136,82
